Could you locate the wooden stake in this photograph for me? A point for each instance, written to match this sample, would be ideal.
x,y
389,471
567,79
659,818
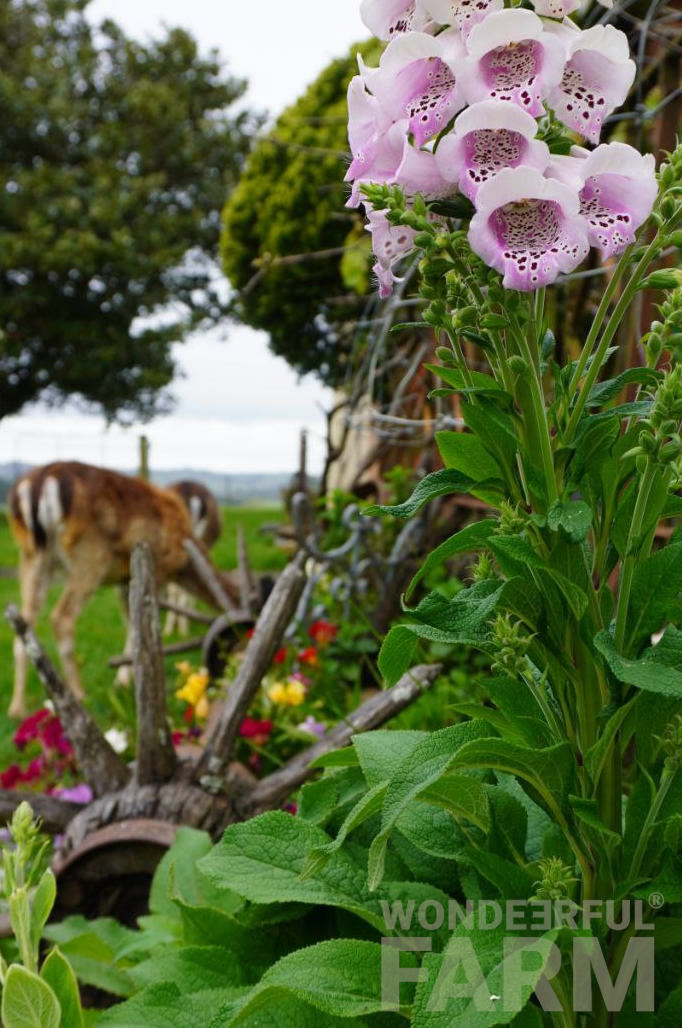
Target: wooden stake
x,y
208,576
155,754
260,652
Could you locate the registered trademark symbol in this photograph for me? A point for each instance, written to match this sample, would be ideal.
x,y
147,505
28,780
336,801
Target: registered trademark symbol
x,y
656,900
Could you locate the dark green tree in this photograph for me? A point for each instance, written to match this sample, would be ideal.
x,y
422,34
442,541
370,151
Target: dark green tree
x,y
115,157
299,260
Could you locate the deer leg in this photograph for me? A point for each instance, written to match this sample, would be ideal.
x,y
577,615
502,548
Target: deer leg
x,y
77,591
34,579
124,675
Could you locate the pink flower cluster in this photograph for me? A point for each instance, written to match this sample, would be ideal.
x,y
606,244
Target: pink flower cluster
x,y
454,106
54,760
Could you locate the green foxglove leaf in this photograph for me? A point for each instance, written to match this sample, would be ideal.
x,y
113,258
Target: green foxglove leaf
x,y
58,974
471,539
163,1005
574,517
658,670
656,588
440,483
28,1001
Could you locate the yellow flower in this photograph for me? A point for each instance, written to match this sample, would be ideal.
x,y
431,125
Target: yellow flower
x,y
202,708
184,668
278,693
194,688
295,693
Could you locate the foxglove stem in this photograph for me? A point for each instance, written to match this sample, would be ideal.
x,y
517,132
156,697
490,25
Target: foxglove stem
x,y
537,395
630,559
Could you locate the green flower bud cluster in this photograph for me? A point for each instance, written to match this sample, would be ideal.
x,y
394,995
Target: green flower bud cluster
x,y
514,642
667,333
512,521
659,439
671,744
484,569
557,880
669,207
25,862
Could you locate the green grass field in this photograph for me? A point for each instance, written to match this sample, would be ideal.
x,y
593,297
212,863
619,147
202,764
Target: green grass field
x,y
101,633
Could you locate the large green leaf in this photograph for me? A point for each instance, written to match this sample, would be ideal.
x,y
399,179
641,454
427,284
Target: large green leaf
x,y
164,1005
28,1001
658,670
93,948
427,762
504,991
341,977
439,483
381,752
194,969
656,587
574,517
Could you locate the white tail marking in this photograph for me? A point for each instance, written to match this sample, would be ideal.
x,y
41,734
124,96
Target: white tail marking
x,y
50,512
24,497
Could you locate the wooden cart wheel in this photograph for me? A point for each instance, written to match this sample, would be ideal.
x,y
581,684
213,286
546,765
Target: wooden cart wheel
x,y
110,873
224,635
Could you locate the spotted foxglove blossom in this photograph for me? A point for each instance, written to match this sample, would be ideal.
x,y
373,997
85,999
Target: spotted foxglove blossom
x,y
416,80
528,228
376,145
596,79
556,8
487,137
464,14
510,57
390,244
388,18
617,188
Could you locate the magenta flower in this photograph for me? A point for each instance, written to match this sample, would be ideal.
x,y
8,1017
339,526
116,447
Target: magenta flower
x,y
528,228
464,14
487,137
390,244
388,18
313,727
596,78
510,57
416,81
76,794
617,187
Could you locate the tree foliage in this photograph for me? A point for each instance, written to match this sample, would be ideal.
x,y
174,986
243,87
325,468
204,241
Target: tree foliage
x,y
289,203
115,157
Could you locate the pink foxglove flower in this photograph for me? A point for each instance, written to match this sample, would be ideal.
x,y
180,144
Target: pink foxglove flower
x,y
390,244
556,8
420,172
416,80
596,79
528,228
487,137
462,13
388,18
617,187
376,145
510,57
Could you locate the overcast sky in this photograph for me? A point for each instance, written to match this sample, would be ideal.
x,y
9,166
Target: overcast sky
x,y
239,407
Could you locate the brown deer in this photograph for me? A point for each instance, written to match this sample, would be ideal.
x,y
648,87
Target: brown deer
x,y
87,520
207,526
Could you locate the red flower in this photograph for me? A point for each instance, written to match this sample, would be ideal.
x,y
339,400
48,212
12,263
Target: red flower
x,y
34,770
29,729
251,729
189,715
291,808
11,776
309,656
323,632
280,656
177,738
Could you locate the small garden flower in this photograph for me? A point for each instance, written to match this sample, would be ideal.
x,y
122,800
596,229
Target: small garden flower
x,y
376,145
194,688
528,228
117,739
323,632
416,81
487,137
510,57
289,694
617,196
595,80
309,656
76,794
388,18
313,727
256,730
462,13
390,244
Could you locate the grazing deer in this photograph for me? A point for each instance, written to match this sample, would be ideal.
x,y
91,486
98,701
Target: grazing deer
x,y
87,520
207,526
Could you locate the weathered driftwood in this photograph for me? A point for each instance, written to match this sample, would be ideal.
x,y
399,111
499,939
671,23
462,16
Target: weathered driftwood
x,y
155,757
208,576
267,637
54,813
172,650
102,768
273,790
